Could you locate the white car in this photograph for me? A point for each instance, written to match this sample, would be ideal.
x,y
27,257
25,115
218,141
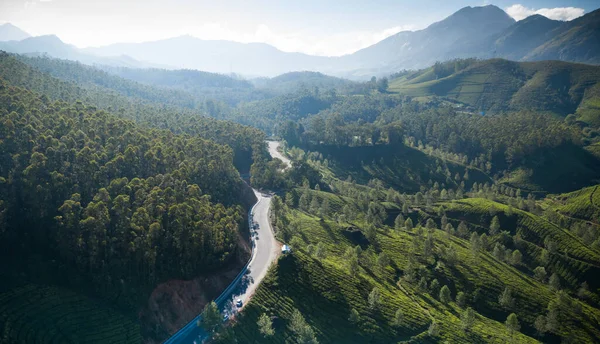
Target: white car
x,y
239,303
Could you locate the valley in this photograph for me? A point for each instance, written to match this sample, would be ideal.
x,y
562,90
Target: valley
x,y
436,185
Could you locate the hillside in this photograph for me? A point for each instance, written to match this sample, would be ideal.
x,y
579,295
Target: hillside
x,y
348,245
173,109
500,85
293,81
95,209
576,41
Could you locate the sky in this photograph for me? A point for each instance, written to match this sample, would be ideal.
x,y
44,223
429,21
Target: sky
x,y
316,27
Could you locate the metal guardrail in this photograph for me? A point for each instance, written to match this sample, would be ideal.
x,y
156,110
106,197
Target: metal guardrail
x,y
224,295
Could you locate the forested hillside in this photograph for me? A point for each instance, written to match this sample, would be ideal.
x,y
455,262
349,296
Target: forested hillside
x,y
153,107
452,262
121,206
499,85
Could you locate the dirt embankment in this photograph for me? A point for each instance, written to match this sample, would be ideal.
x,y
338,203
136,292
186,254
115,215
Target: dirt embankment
x,y
174,303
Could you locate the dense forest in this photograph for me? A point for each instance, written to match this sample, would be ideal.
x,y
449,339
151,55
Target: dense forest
x,y
115,201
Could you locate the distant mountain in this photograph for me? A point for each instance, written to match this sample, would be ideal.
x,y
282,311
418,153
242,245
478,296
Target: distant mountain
x,y
53,46
577,40
419,49
499,85
9,32
524,36
481,32
251,59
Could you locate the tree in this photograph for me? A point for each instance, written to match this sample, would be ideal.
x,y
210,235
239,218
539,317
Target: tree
x,y
461,299
444,222
445,295
265,325
495,226
383,261
404,208
506,299
434,329
463,230
374,299
225,336
583,291
382,85
370,233
516,257
304,333
423,284
354,316
211,317
398,318
498,252
430,224
408,224
540,274
399,222
554,282
475,242
351,257
320,251
540,325
314,205
467,319
512,324
434,287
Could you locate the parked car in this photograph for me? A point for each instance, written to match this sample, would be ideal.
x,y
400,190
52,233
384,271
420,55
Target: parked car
x,y
238,302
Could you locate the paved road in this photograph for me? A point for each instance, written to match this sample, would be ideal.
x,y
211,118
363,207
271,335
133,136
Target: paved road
x,y
265,251
273,146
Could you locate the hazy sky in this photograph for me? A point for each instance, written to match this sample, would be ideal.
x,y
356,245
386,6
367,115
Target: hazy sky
x,y
319,27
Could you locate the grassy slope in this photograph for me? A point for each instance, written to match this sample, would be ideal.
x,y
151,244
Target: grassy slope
x,y
36,308
500,85
324,292
582,204
582,262
402,168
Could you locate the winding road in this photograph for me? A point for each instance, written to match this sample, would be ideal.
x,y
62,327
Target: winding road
x,y
265,250
274,151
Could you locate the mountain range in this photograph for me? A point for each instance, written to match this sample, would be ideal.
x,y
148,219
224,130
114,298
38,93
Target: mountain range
x,y
481,32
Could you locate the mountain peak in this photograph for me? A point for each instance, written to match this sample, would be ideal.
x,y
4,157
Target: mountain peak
x,y
488,12
473,21
9,32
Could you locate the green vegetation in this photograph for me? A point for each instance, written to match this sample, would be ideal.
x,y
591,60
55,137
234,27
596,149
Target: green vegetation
x,y
501,85
118,207
31,313
491,267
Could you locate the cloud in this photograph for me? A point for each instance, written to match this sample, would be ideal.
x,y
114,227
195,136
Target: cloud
x,y
519,12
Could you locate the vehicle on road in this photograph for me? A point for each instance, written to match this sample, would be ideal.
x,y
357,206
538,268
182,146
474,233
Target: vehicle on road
x,y
239,302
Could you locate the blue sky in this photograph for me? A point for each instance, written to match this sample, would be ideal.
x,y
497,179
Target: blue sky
x,y
320,27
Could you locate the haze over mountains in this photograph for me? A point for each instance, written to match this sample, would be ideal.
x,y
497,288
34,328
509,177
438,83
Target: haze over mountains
x,y
482,32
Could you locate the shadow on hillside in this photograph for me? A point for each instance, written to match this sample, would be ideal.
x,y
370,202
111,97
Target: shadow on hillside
x,y
561,169
398,166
